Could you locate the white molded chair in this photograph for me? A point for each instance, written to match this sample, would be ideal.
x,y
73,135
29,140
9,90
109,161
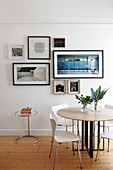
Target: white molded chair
x,y
61,137
106,135
59,120
108,124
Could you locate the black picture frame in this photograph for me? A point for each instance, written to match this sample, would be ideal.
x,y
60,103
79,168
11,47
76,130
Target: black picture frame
x,y
37,74
39,47
78,64
59,42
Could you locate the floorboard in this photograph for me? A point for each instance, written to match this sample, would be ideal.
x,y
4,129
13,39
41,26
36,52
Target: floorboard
x,y
25,155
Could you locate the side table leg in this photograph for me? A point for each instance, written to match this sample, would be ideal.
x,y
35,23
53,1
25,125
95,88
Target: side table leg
x,y
28,135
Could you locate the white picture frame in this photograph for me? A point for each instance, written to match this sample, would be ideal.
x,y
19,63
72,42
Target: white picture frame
x,y
16,52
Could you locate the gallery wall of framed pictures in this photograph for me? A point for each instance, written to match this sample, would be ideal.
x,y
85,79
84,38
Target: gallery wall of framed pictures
x,y
29,73
68,65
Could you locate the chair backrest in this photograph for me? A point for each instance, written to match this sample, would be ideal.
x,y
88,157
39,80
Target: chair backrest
x,y
109,106
53,124
58,107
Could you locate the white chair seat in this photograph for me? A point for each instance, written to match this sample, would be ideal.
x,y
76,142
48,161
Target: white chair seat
x,y
63,136
64,122
108,135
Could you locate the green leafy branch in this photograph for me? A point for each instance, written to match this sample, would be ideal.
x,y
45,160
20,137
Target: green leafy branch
x,y
84,100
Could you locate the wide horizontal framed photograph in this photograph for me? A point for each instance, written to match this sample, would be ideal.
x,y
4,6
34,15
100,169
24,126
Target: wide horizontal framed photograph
x,y
59,86
16,52
31,73
72,64
39,47
73,86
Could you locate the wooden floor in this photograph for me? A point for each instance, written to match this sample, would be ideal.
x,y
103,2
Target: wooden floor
x,y
26,156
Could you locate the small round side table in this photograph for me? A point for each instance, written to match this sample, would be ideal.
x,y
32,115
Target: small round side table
x,y
34,112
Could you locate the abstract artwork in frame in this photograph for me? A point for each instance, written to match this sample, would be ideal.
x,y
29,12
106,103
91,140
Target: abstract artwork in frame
x,y
59,86
31,74
69,64
16,52
73,86
39,47
59,42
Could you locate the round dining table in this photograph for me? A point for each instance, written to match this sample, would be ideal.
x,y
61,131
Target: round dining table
x,y
91,116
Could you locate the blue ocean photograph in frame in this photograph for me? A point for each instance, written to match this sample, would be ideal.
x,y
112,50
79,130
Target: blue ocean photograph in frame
x,y
78,64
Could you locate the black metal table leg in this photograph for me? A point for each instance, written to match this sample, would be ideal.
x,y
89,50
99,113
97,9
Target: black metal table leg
x,y
91,139
98,134
86,134
82,135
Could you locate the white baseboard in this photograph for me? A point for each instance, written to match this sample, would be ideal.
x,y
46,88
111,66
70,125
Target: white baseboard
x,y
18,132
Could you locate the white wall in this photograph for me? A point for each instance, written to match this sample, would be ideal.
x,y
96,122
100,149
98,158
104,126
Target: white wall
x,y
78,36
56,11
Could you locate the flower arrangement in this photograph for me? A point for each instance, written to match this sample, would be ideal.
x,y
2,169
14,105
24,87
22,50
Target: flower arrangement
x,y
84,101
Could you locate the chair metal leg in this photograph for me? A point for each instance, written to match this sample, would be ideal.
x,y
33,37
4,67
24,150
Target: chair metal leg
x,y
66,143
51,147
108,141
108,145
55,156
79,154
98,149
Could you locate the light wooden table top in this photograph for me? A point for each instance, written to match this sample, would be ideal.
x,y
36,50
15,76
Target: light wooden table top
x,y
75,113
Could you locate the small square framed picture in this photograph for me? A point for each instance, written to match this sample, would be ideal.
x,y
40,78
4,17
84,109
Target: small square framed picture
x,y
16,52
73,86
59,86
59,42
39,47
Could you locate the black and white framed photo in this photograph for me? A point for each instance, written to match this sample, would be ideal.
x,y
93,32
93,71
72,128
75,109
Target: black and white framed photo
x,y
73,86
72,64
59,42
16,52
31,73
39,47
59,86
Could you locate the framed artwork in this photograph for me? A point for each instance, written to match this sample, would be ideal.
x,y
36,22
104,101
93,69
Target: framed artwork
x,y
59,86
73,86
59,42
16,52
39,47
31,73
68,64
